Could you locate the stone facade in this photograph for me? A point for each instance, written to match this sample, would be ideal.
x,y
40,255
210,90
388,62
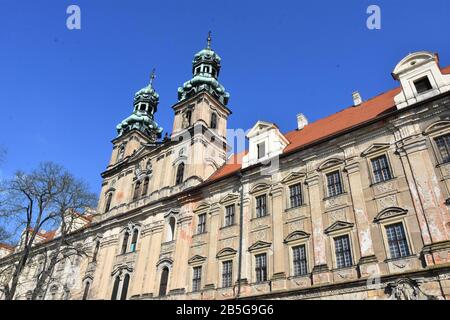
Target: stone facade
x,y
360,213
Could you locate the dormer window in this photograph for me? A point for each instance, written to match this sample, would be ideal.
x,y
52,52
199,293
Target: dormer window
x,y
261,150
423,85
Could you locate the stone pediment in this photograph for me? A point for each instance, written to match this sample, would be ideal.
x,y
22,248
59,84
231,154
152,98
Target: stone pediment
x,y
389,213
375,148
172,212
259,245
437,126
231,197
260,127
197,258
329,163
259,187
293,176
225,252
202,207
296,235
338,226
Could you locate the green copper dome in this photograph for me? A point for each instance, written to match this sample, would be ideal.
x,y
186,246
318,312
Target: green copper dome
x,y
205,71
145,105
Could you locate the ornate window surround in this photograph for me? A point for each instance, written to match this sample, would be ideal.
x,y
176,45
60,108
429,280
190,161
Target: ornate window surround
x,y
374,151
290,180
295,239
337,229
229,200
387,217
434,131
260,189
329,166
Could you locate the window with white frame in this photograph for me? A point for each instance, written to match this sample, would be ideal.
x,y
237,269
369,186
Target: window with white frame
x,y
227,273
443,147
396,237
295,195
229,215
196,279
381,169
299,260
334,184
201,226
343,251
261,206
261,267
261,149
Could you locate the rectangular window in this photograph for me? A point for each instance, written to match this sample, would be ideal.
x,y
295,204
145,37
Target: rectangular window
x,y
261,206
295,192
343,252
201,227
229,215
261,150
423,85
227,273
334,184
261,267
196,279
299,258
443,145
398,246
381,170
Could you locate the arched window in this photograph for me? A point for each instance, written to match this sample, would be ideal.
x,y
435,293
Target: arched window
x,y
86,290
120,153
189,117
125,242
134,240
171,230
125,284
145,188
108,202
164,280
137,190
97,247
180,173
115,288
213,121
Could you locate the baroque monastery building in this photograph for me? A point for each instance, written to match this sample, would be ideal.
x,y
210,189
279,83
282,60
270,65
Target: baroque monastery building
x,y
352,206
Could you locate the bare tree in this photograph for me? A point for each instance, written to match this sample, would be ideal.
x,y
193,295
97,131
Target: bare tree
x,y
48,196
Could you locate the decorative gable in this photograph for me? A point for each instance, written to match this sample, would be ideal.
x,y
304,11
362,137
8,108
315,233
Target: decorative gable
x,y
265,142
259,245
196,259
390,213
329,163
231,197
338,226
226,252
420,78
437,126
293,176
375,148
296,235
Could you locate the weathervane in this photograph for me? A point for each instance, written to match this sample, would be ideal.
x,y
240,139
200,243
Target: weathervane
x,y
208,46
152,76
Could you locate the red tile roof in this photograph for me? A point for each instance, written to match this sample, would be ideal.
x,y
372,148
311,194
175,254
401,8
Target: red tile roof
x,y
6,247
323,128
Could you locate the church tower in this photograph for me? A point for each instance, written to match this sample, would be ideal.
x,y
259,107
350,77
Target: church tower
x,y
140,127
201,114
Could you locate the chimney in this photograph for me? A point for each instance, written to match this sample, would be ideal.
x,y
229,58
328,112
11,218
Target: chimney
x,y
301,121
357,100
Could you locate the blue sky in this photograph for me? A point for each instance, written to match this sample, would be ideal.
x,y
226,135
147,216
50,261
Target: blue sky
x,y
62,92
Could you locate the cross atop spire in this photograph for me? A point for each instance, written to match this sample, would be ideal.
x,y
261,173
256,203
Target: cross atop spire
x,y
152,76
208,40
